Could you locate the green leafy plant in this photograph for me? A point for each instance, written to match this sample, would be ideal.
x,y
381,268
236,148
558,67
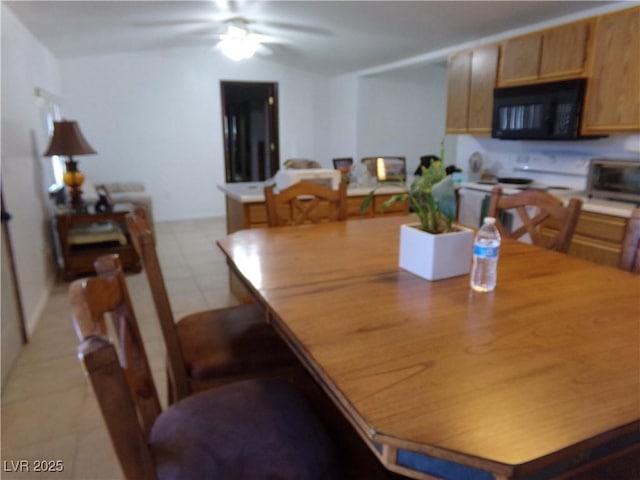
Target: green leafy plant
x,y
431,197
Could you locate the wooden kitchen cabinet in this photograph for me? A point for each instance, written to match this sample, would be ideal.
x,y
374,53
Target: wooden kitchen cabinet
x,y
471,80
612,103
520,60
598,238
548,55
458,77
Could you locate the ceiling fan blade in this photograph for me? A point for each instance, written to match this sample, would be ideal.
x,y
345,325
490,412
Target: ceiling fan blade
x,y
259,37
172,23
268,38
234,6
266,25
312,30
264,50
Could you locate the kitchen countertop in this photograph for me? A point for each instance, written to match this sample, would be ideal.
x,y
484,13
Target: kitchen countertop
x,y
605,207
595,205
253,192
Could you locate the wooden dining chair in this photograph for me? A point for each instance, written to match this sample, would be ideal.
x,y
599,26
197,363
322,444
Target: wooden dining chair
x,y
534,207
630,258
305,202
209,347
253,429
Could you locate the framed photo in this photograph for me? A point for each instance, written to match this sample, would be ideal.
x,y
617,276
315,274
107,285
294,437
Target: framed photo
x,y
342,163
104,203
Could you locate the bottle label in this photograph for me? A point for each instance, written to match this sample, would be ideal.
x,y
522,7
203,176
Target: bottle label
x,y
485,251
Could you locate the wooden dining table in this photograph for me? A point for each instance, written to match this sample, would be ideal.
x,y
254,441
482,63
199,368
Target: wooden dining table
x,y
529,381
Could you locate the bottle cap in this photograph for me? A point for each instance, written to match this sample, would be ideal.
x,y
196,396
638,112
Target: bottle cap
x,y
489,220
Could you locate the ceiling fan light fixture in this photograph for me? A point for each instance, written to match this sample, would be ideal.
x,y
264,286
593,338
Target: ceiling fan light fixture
x,y
238,43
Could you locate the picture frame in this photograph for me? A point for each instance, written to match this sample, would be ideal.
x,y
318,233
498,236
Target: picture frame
x,y
105,202
343,165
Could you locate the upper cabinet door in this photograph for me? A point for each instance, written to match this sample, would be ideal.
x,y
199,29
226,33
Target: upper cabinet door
x,y
472,78
459,73
520,59
545,56
564,51
484,67
612,101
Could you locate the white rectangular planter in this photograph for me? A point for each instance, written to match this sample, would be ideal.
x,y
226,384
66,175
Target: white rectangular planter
x,y
435,257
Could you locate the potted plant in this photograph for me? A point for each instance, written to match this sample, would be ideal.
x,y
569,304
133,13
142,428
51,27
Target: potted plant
x,y
434,248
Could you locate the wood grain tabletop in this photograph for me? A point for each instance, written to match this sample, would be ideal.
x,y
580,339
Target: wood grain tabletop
x,y
544,368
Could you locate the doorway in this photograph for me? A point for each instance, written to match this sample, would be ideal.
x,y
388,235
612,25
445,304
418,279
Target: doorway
x,y
250,130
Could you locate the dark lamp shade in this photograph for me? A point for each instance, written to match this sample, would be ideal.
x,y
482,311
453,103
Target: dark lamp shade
x,y
68,140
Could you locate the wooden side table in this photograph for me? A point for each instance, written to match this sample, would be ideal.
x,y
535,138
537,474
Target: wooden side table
x,y
86,236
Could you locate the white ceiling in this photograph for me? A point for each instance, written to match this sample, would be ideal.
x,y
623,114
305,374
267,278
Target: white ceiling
x,y
330,37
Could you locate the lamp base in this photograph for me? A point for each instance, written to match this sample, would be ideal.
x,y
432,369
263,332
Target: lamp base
x,y
73,179
76,203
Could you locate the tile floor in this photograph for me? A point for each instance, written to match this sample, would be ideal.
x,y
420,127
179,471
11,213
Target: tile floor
x,y
49,411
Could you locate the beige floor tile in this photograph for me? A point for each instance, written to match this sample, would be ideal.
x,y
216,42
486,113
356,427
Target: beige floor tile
x,y
208,266
95,458
176,271
42,417
33,379
220,298
181,286
187,303
213,281
50,342
58,454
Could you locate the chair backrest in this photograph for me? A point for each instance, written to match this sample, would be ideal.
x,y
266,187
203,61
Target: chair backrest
x,y
386,168
305,202
144,243
630,259
547,207
121,379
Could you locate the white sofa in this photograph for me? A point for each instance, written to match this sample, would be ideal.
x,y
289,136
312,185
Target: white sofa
x,y
132,193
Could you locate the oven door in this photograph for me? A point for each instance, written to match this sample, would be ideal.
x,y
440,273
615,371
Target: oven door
x,y
614,180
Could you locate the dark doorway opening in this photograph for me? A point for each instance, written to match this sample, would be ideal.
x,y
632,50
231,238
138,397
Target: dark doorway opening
x,y
250,129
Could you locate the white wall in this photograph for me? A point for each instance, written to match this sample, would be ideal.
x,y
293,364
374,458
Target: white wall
x,y
343,123
402,115
25,174
155,117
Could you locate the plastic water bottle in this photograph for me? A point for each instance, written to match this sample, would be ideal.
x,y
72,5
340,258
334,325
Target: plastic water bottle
x,y
486,248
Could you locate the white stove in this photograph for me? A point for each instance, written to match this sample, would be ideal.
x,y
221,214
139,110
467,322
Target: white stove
x,y
561,175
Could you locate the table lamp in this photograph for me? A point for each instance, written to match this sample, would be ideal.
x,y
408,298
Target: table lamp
x,y
68,140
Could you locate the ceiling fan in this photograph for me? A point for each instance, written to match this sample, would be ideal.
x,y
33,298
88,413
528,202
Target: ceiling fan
x,y
240,42
239,37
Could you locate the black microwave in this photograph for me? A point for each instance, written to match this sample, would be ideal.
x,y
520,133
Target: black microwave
x,y
544,111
